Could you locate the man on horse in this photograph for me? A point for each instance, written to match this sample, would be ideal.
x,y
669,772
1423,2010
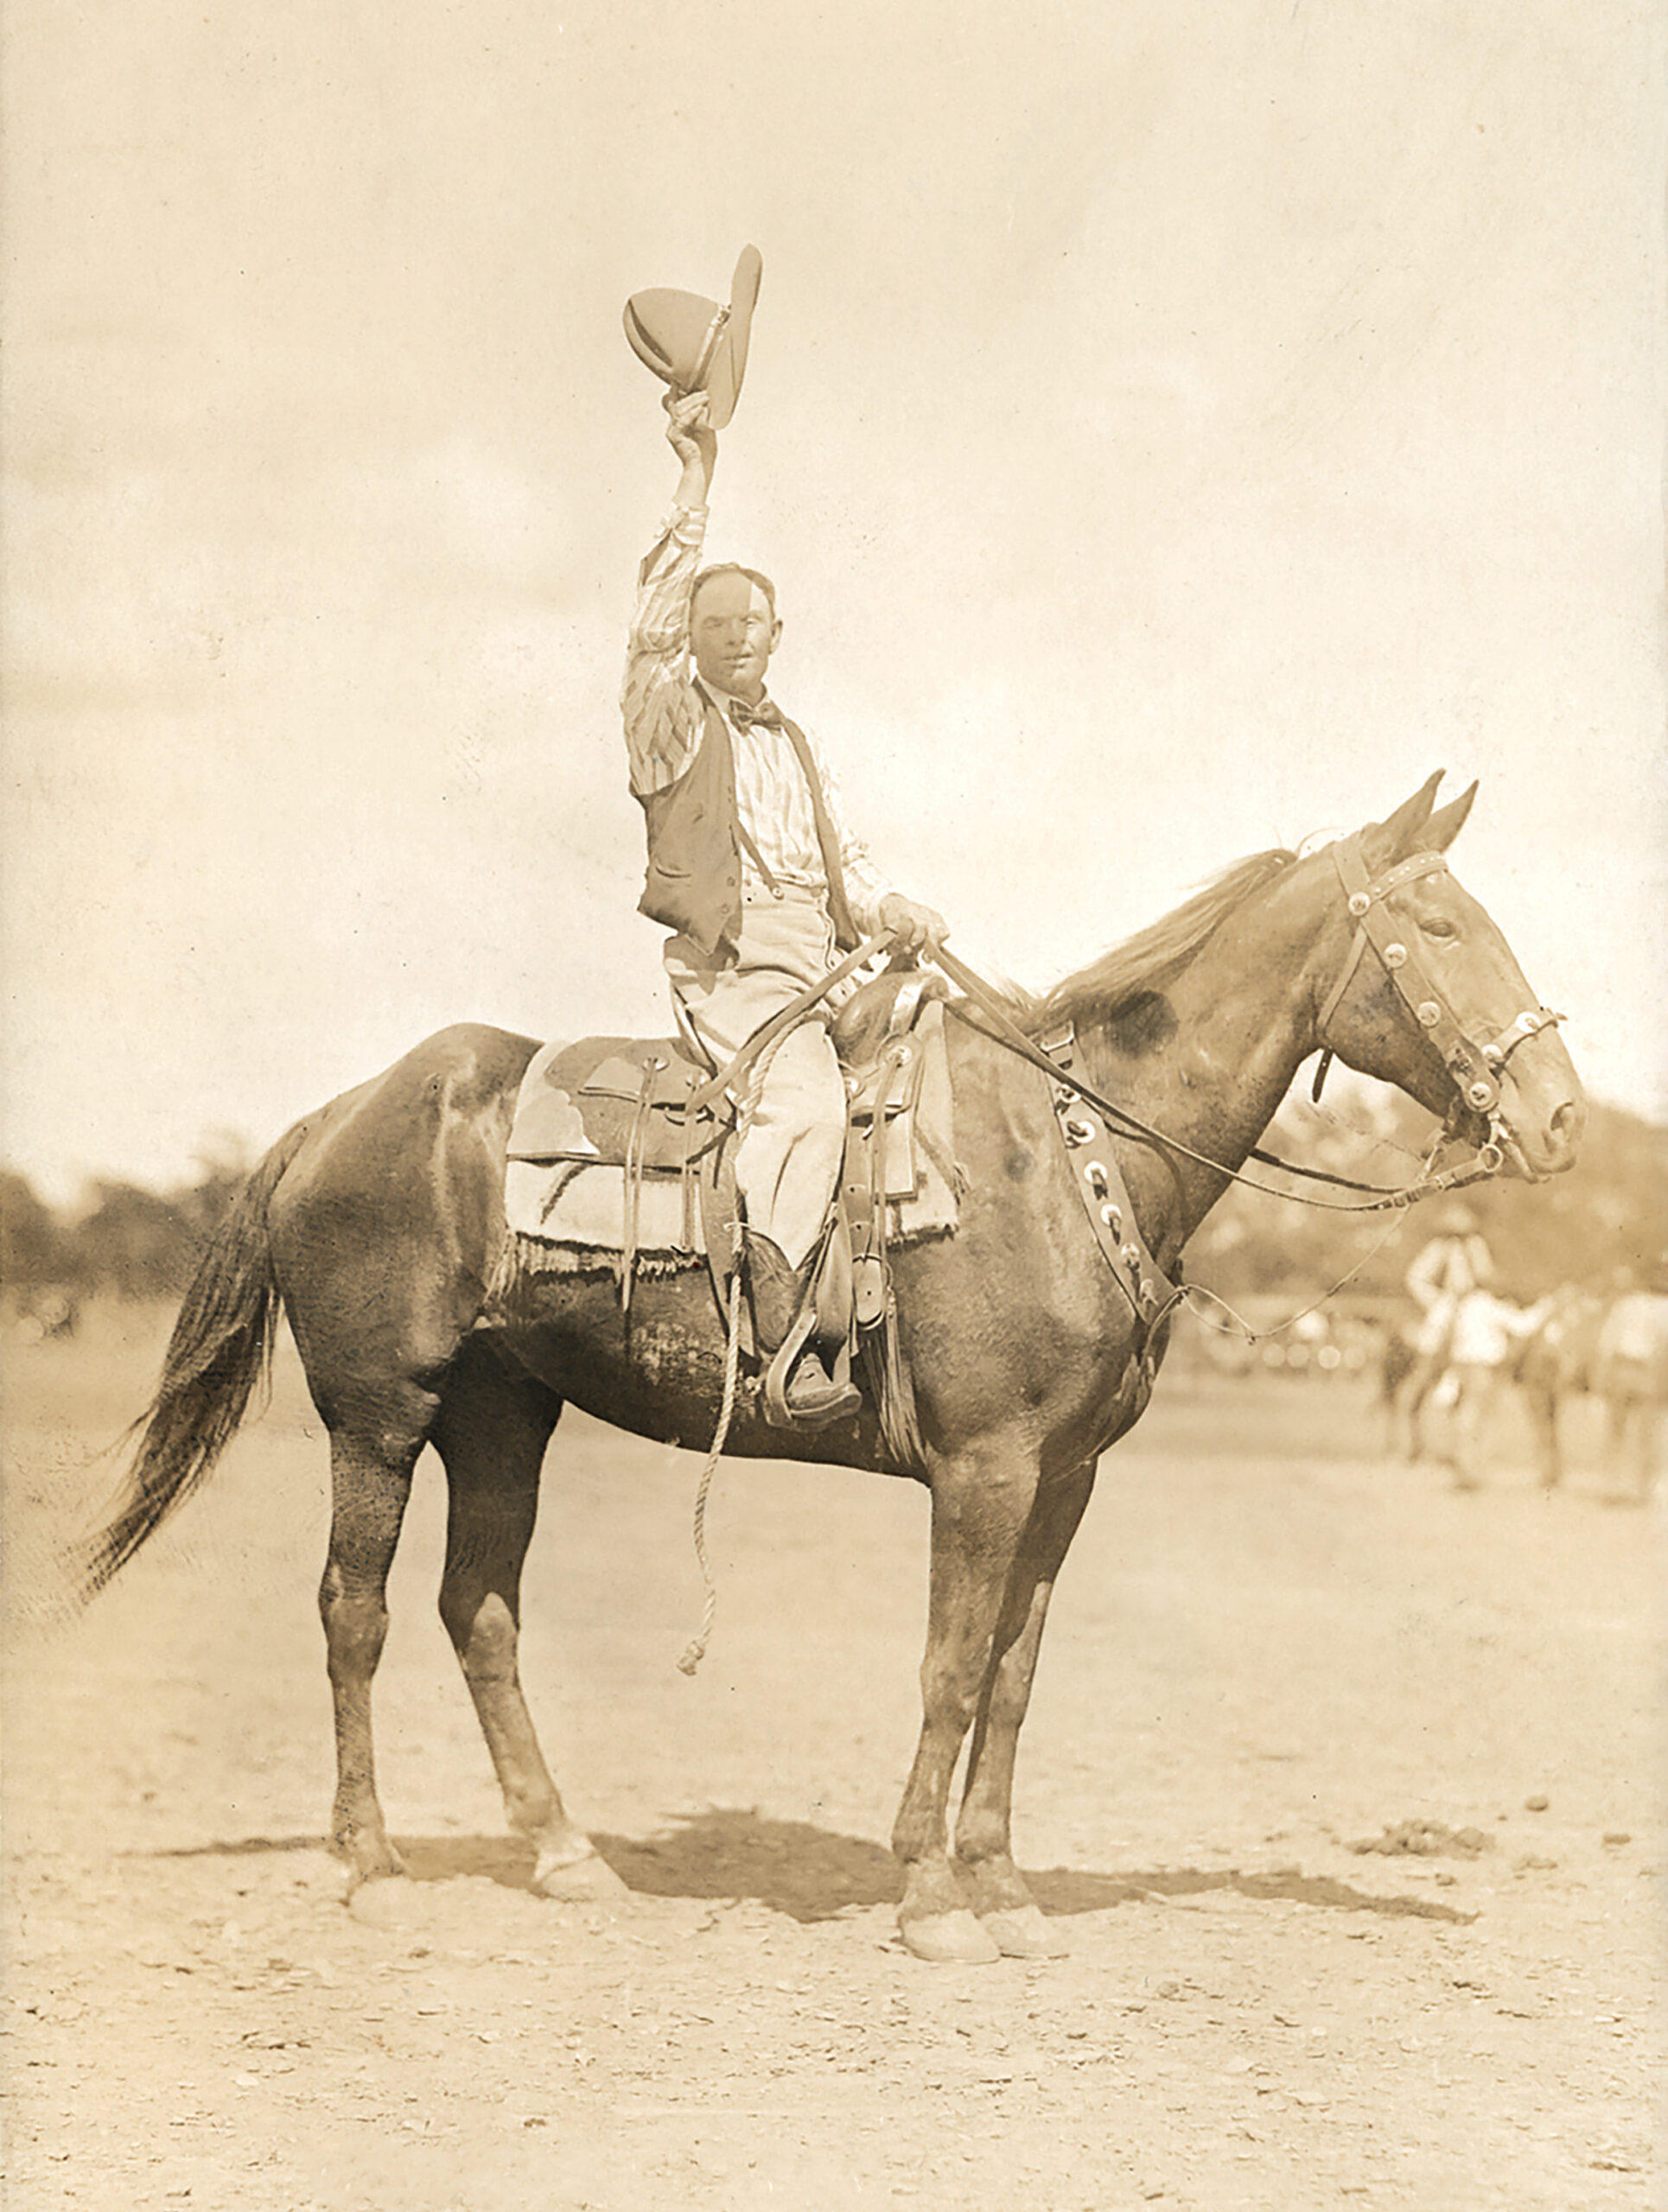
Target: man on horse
x,y
751,868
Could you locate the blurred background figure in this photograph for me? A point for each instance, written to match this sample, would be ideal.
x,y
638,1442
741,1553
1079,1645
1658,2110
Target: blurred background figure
x,y
1454,1263
1484,1336
1554,1368
1629,1373
48,1315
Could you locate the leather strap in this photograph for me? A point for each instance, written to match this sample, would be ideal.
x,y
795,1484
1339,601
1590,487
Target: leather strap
x,y
709,1093
634,1180
1093,1156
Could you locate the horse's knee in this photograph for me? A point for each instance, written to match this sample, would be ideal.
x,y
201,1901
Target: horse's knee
x,y
483,1631
355,1627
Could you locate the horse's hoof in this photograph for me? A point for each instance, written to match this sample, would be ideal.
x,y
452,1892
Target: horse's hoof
x,y
385,1866
950,1939
588,1879
1024,1933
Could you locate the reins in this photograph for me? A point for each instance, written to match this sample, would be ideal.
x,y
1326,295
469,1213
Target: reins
x,y
1383,1198
1474,1069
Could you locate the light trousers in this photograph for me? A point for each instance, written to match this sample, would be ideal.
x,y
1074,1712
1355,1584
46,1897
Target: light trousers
x,y
790,1159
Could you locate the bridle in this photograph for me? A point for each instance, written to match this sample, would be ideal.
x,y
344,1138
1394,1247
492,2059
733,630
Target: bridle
x,y
1473,1068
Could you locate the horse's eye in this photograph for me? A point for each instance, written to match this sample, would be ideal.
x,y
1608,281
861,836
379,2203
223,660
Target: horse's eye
x,y
1441,931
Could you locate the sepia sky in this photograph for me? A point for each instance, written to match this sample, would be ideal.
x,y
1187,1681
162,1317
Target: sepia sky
x,y
1173,429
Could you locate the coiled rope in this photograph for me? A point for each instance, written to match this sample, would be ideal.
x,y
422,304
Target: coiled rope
x,y
695,1651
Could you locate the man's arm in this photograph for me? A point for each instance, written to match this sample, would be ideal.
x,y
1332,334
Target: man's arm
x,y
1424,1276
662,713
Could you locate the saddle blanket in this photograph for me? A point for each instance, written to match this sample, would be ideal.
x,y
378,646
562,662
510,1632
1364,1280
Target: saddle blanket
x,y
565,1188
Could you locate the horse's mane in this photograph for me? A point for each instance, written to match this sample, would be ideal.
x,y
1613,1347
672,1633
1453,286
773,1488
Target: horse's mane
x,y
1154,956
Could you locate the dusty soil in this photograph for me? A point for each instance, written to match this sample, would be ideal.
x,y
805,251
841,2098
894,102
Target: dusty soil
x,y
1270,1646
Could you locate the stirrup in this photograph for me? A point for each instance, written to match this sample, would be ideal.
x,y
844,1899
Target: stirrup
x,y
799,1393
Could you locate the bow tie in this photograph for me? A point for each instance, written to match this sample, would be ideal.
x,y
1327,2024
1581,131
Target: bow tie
x,y
766,713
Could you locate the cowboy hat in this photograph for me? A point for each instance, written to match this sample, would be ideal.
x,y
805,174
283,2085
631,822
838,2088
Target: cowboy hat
x,y
694,344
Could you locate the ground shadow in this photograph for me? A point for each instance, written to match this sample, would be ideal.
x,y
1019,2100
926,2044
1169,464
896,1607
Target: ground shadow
x,y
810,1873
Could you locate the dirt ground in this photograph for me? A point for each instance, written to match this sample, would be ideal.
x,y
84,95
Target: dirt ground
x,y
1271,1646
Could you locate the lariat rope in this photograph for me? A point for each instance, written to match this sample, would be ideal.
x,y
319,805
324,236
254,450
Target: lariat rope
x,y
695,1649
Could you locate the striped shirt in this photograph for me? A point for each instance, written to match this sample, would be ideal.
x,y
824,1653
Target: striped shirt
x,y
663,709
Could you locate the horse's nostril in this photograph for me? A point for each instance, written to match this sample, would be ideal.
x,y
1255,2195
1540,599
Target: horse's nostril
x,y
1566,1125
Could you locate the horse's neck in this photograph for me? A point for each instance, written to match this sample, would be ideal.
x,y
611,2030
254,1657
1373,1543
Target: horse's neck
x,y
1239,1024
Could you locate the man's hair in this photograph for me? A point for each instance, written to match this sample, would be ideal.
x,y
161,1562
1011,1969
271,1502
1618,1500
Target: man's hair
x,y
734,568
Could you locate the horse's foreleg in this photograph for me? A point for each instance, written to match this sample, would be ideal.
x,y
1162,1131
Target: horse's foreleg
x,y
370,1482
981,1504
1421,1389
983,1833
1543,1407
492,1432
1632,1422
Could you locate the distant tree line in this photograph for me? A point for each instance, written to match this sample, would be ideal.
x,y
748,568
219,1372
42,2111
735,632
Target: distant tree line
x,y
1608,1216
124,1239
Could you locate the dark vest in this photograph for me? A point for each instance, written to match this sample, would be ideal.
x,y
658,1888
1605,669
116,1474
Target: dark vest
x,y
694,878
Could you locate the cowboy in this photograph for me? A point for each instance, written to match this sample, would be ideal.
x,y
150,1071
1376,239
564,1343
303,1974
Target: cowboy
x,y
1456,1262
751,868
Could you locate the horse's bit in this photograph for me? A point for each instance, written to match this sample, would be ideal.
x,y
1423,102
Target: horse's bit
x,y
1475,1069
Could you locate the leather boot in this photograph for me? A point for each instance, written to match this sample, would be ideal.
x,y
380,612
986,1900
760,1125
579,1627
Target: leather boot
x,y
780,1293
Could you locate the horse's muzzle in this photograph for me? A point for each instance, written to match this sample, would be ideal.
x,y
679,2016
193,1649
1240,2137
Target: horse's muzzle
x,y
1547,1145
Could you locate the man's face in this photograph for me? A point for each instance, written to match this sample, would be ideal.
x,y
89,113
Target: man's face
x,y
734,634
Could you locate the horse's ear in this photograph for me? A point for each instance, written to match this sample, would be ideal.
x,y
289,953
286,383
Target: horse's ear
x,y
1386,843
1445,826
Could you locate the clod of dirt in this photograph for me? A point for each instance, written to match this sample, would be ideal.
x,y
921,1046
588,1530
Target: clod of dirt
x,y
1426,1840
1537,1803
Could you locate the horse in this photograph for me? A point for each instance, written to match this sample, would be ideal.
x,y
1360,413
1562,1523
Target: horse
x,y
1613,1348
1629,1373
1406,1378
377,1224
1555,1366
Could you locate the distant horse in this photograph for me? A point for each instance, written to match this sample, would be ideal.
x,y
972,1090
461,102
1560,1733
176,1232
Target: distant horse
x,y
1406,1378
1555,1367
1411,1373
1629,1373
1613,1350
379,1222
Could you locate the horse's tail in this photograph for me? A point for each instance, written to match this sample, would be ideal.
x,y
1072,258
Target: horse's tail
x,y
220,1347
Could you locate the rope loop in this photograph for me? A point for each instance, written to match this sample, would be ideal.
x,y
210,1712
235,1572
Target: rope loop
x,y
695,1651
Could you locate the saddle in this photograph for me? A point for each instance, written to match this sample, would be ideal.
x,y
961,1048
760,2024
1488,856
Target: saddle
x,y
621,1154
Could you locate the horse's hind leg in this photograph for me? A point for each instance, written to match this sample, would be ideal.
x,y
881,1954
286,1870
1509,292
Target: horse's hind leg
x,y
371,1464
983,1836
491,1432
